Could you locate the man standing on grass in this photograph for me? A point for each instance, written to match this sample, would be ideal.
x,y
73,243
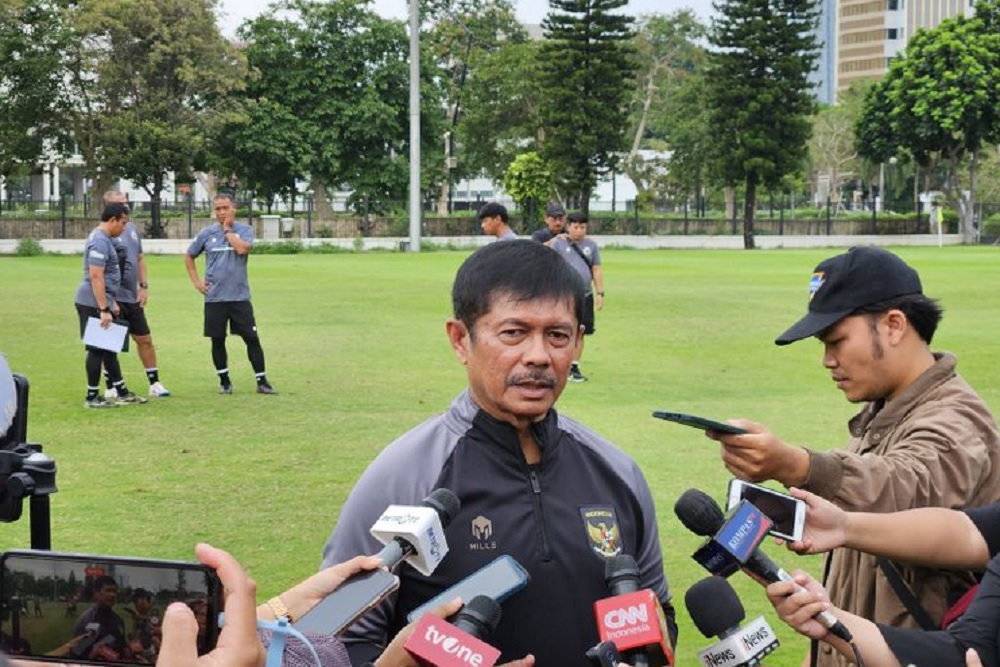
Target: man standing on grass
x,y
493,219
96,299
585,258
533,483
923,439
227,245
132,299
555,221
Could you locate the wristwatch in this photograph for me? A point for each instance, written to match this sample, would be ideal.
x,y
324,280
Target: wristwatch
x,y
105,309
144,285
600,294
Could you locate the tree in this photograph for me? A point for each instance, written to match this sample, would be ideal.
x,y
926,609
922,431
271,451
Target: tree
x,y
759,93
833,154
464,35
502,118
587,68
163,73
33,36
940,102
341,72
667,53
529,181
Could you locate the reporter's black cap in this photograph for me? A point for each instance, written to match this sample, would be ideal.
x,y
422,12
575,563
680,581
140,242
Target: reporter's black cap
x,y
843,284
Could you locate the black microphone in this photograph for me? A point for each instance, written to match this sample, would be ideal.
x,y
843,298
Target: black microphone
x,y
457,641
700,514
717,612
412,533
621,573
632,617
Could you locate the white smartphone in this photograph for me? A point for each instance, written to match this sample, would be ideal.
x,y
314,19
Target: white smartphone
x,y
787,512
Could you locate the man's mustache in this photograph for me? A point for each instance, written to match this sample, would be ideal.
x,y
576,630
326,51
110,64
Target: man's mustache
x,y
544,378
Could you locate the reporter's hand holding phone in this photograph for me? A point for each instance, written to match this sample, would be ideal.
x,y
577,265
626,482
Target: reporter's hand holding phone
x,y
238,644
304,596
760,455
825,527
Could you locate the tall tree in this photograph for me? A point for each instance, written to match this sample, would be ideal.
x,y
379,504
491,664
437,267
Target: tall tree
x,y
759,93
940,102
667,52
34,34
163,73
341,71
587,70
463,36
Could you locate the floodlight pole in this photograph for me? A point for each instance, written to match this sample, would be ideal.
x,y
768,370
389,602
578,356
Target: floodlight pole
x,y
415,208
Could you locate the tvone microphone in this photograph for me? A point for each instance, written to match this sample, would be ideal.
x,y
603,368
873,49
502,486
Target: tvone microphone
x,y
633,618
412,533
700,514
416,534
438,643
717,612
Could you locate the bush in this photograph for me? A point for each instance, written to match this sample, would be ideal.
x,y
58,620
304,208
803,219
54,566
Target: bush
x,y
292,247
29,248
992,225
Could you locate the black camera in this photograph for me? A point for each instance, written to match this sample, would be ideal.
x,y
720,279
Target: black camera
x,y
25,472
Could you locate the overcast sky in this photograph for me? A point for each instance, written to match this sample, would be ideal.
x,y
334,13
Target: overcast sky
x,y
530,11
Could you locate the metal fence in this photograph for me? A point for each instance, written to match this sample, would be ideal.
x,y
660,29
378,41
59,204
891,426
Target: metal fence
x,y
68,219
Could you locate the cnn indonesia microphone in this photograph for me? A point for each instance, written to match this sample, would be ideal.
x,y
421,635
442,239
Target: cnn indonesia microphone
x,y
633,618
717,612
438,643
702,516
415,534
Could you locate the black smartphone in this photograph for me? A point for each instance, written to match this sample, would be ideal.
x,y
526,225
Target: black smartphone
x,y
99,610
338,610
699,422
499,579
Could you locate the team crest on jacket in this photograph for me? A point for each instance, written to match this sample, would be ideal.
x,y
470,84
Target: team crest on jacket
x,y
603,533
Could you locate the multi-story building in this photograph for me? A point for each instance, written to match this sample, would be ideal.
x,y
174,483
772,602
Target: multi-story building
x,y
870,32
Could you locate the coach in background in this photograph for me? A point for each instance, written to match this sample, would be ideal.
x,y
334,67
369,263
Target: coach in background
x,y
132,301
555,222
227,245
923,439
95,298
584,256
533,483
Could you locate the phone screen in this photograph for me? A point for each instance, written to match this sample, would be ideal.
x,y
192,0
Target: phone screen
x,y
102,610
498,580
777,507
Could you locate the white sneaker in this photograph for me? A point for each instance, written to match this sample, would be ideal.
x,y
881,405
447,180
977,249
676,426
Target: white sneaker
x,y
158,390
111,394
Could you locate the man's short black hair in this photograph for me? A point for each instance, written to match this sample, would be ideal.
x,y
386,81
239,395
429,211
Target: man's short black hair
x,y
521,268
141,594
115,210
104,580
923,313
577,217
493,209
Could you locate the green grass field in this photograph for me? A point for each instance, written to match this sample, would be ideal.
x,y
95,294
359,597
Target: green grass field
x,y
356,346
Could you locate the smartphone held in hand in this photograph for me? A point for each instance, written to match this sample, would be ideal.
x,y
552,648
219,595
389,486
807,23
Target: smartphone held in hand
x,y
102,610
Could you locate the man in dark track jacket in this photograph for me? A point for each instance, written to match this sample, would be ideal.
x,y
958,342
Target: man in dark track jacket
x,y
533,484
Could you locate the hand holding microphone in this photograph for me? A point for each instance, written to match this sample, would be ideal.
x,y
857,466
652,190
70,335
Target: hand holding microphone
x,y
435,642
702,516
414,534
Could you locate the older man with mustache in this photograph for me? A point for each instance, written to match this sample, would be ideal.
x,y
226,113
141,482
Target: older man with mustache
x,y
531,481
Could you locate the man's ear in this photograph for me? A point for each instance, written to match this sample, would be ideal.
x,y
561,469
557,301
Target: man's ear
x,y
460,339
896,324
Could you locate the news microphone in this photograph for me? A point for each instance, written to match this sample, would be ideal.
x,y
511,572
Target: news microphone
x,y
717,612
700,514
632,618
415,534
458,643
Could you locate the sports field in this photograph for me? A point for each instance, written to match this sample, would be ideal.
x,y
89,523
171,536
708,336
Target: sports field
x,y
355,345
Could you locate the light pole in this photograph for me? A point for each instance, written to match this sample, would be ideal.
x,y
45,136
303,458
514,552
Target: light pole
x,y
415,207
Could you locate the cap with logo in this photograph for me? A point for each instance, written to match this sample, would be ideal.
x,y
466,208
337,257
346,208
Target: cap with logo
x,y
841,285
555,210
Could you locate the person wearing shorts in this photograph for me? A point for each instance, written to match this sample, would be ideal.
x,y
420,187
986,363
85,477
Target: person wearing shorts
x,y
227,245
